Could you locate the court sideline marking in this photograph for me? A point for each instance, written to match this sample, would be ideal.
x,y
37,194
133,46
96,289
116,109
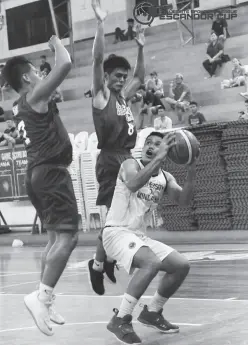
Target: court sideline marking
x,y
89,323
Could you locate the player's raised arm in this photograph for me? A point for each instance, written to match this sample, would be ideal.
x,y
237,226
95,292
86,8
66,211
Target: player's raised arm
x,y
139,71
44,89
98,49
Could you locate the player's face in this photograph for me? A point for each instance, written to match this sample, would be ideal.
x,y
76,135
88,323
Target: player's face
x,y
161,113
117,79
178,79
150,148
34,76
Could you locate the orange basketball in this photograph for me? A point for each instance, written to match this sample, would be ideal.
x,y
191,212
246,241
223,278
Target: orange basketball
x,y
187,148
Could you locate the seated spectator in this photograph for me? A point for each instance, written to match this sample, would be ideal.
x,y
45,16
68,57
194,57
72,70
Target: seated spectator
x,y
219,26
45,65
155,85
215,51
245,94
195,118
243,115
238,77
1,115
10,133
163,122
179,96
125,35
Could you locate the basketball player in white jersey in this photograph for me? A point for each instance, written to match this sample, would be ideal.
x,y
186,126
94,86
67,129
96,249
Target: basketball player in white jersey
x,y
140,186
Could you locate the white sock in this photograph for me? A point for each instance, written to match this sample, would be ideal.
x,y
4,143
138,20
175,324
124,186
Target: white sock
x,y
157,302
45,292
98,266
127,305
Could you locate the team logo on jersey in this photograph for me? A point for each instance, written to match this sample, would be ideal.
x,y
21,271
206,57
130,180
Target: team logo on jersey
x,y
132,245
125,111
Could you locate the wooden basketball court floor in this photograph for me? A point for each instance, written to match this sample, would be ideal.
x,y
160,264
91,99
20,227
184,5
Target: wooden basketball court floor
x,y
211,307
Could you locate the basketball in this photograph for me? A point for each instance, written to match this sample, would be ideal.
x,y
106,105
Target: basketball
x,y
187,148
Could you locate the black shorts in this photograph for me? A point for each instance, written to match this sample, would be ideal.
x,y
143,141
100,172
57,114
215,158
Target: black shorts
x,y
107,168
51,192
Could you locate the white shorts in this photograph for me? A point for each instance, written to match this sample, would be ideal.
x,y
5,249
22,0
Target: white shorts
x,y
122,244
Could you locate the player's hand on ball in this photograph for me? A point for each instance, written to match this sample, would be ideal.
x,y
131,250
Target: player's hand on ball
x,y
52,42
167,143
100,14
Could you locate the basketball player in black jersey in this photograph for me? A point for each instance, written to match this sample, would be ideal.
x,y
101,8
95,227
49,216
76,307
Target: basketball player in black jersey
x,y
48,183
115,128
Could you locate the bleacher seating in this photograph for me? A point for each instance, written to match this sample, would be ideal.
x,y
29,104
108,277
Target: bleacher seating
x,y
164,53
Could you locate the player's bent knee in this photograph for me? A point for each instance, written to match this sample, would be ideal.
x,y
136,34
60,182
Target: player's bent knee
x,y
68,241
184,267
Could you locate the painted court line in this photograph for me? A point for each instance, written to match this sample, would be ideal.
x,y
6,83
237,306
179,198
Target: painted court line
x,y
33,282
90,323
121,296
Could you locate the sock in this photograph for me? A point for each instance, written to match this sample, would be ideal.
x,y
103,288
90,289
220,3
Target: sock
x,y
109,259
45,292
127,305
98,266
157,302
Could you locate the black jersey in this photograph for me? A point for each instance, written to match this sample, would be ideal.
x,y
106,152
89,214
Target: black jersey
x,y
45,137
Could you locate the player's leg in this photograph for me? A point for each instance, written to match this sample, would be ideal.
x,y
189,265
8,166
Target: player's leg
x,y
176,267
131,252
106,172
51,240
53,314
53,187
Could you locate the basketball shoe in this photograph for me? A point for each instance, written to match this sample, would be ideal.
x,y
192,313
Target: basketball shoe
x,y
123,330
39,310
55,317
156,320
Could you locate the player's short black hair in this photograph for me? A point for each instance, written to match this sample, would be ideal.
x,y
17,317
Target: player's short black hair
x,y
43,56
193,103
155,133
14,70
115,61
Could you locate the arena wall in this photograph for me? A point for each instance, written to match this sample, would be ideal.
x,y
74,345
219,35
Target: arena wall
x,y
83,20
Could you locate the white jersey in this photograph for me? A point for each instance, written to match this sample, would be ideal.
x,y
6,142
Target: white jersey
x,y
131,209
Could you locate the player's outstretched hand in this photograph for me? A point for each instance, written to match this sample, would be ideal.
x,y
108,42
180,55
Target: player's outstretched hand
x,y
140,35
52,42
100,14
168,142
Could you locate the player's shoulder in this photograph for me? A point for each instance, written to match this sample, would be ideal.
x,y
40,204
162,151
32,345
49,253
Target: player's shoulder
x,y
130,163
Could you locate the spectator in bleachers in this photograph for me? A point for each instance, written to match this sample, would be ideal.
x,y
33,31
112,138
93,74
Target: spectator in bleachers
x,y
238,76
10,134
245,94
215,51
195,118
163,122
179,96
1,115
45,65
155,85
243,115
125,35
220,27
